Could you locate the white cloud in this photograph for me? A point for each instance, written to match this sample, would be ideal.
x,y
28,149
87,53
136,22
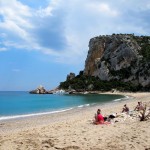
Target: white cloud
x,y
15,11
64,28
45,12
3,49
16,70
103,8
3,35
48,11
16,21
17,25
12,27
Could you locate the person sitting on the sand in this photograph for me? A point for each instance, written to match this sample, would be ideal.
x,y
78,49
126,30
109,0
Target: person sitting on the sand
x,y
99,119
96,115
125,109
139,106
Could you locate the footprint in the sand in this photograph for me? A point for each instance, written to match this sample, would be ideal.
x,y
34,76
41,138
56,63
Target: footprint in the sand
x,y
47,143
69,148
2,124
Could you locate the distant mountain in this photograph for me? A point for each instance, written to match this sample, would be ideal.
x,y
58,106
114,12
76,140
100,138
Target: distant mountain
x,y
117,59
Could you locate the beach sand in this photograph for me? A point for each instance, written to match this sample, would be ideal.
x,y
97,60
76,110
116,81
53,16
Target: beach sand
x,y
73,130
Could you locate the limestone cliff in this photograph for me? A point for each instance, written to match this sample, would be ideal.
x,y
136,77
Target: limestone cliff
x,y
124,57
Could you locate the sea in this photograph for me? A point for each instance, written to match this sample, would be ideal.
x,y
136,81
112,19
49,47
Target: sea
x,y
20,104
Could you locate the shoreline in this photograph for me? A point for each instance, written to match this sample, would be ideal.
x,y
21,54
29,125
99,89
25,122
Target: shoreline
x,y
43,116
73,129
128,97
36,114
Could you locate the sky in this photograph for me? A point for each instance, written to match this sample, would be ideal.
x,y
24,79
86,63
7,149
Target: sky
x,y
41,41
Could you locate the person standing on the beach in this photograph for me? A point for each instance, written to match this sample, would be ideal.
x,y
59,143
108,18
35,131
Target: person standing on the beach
x,y
125,109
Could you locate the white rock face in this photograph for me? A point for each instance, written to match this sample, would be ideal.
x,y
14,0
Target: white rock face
x,y
117,57
102,72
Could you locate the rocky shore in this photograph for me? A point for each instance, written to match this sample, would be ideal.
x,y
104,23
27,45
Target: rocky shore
x,y
42,90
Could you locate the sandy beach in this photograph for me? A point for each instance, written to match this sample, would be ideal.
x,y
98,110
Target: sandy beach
x,y
72,130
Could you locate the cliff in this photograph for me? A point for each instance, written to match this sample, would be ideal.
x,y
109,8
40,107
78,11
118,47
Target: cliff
x,y
121,57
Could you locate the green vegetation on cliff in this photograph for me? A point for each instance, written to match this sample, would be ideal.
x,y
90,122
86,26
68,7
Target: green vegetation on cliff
x,y
118,61
90,83
144,42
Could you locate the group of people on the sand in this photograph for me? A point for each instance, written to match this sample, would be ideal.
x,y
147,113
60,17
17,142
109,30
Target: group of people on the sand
x,y
137,108
100,119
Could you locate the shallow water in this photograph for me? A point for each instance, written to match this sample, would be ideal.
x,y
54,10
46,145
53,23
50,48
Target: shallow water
x,y
23,104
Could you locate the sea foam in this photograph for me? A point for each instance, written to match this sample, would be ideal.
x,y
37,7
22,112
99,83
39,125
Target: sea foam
x,y
31,115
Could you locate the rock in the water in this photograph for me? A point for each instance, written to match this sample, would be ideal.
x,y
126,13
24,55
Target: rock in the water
x,y
39,90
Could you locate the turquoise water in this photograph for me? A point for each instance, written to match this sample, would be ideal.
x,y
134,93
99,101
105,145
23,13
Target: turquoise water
x,y
17,104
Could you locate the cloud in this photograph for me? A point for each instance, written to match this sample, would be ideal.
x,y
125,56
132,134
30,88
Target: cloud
x,y
3,49
47,11
63,29
101,8
16,22
16,70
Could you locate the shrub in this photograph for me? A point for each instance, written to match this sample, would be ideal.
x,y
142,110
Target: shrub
x,y
82,83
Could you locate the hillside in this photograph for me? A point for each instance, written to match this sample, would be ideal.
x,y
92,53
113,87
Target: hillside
x,y
118,61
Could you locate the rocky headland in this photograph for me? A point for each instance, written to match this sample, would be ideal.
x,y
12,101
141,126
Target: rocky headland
x,y
114,62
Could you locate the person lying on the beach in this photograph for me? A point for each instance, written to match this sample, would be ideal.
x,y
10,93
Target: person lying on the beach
x,y
125,109
139,107
99,119
112,116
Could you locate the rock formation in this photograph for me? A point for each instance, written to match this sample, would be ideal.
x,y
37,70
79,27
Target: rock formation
x,y
114,62
70,76
123,57
39,90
